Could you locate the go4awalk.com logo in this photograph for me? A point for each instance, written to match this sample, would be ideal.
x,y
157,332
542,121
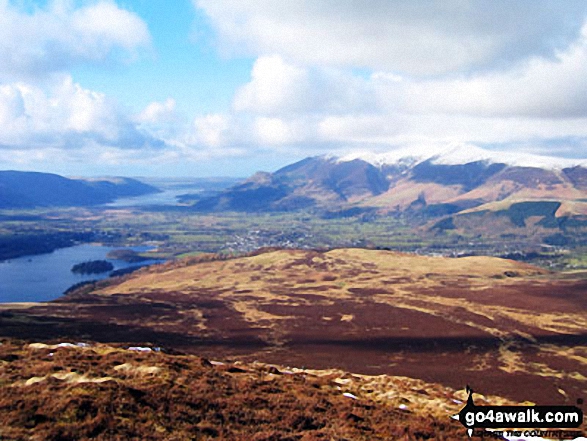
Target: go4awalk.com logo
x,y
527,421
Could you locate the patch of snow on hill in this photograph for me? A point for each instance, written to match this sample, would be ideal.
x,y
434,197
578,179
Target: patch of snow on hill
x,y
463,154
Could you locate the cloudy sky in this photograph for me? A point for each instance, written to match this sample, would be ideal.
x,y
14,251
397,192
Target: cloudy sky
x,y
229,87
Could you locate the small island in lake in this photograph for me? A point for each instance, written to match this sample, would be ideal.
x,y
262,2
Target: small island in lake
x,y
92,267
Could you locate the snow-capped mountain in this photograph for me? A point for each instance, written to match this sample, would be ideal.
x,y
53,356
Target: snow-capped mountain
x,y
459,179
463,154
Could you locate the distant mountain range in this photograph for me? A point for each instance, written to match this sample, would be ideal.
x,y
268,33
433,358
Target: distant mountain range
x,y
31,189
460,183
432,187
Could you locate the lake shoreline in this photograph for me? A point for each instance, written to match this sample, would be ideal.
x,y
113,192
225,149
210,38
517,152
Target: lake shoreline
x,y
45,277
46,243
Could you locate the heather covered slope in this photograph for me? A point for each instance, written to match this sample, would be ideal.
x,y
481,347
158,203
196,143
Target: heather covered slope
x,y
503,327
103,393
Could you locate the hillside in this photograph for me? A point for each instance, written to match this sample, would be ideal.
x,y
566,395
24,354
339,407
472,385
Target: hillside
x,y
505,328
308,183
101,392
33,189
422,187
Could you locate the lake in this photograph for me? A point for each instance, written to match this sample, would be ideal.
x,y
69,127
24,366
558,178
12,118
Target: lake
x,y
171,188
44,277
166,197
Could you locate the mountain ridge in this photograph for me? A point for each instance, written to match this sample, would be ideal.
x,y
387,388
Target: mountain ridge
x,y
25,189
408,185
462,154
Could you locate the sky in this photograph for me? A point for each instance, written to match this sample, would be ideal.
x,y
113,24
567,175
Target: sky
x,y
229,87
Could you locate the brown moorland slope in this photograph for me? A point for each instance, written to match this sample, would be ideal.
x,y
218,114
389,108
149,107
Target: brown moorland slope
x,y
64,392
504,327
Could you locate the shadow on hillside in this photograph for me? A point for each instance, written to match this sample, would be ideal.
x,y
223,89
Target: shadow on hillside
x,y
39,327
444,344
43,328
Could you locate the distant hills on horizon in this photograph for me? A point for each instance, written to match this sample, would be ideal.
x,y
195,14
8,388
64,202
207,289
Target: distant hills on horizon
x,y
19,189
459,183
432,186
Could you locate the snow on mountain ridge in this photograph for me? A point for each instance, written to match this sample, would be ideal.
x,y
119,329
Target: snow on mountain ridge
x,y
463,154
394,157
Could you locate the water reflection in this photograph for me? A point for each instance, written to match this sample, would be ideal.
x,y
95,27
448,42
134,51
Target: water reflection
x,y
46,276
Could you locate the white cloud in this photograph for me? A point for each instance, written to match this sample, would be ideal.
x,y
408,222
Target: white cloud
x,y
437,73
540,88
357,129
329,76
104,160
104,25
275,87
418,37
58,36
273,131
12,108
85,110
281,88
158,112
210,130
433,132
537,102
64,115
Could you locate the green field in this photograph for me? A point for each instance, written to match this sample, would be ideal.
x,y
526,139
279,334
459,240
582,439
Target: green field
x,y
180,231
